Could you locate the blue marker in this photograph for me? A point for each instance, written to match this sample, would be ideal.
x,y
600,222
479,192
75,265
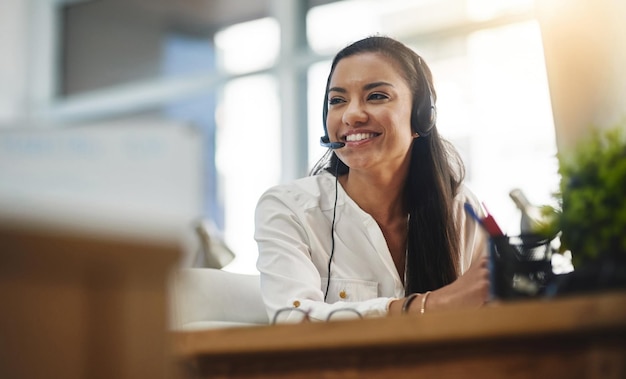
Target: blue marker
x,y
469,209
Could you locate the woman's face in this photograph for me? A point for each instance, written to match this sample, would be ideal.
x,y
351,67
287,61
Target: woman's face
x,y
369,109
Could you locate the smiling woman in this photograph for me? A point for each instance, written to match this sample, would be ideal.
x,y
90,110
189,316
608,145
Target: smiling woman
x,y
380,223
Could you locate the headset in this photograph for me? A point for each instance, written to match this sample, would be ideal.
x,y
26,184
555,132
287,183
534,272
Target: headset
x,y
423,117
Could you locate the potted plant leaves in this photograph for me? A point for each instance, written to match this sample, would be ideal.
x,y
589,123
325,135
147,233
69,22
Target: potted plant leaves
x,y
592,214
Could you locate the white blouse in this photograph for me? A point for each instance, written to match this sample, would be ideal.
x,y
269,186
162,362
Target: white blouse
x,y
293,233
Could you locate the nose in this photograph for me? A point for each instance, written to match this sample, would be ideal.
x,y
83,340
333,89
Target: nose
x,y
354,114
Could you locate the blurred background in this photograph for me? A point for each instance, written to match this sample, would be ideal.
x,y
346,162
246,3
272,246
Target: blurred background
x,y
137,112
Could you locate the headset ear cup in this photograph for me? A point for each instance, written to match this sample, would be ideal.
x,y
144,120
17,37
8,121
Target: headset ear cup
x,y
425,116
425,112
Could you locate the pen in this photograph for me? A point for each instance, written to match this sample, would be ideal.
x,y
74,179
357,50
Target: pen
x,y
488,222
470,210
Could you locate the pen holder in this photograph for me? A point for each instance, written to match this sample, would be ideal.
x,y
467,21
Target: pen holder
x,y
520,266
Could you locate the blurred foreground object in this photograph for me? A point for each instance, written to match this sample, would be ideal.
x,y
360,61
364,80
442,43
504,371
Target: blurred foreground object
x,y
83,301
593,194
592,218
521,266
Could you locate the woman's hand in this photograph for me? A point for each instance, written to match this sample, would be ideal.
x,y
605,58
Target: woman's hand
x,y
470,290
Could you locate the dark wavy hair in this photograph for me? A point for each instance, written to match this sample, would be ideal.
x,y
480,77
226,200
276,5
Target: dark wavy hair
x,y
435,174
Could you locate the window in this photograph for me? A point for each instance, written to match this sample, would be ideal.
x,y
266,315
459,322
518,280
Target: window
x,y
248,132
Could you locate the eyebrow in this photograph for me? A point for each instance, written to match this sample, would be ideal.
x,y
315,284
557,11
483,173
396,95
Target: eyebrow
x,y
366,87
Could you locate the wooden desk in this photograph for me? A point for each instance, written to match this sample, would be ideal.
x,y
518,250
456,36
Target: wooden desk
x,y
577,337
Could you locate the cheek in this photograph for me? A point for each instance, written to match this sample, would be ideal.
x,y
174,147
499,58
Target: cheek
x,y
333,119
406,120
402,122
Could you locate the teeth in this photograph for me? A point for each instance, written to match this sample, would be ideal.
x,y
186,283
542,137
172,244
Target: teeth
x,y
359,137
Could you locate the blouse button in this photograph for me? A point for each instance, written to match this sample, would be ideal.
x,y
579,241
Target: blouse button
x,y
343,294
296,303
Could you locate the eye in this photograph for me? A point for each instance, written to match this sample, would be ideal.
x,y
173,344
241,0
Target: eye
x,y
377,96
335,100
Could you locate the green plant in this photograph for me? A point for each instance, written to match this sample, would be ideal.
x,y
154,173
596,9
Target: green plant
x,y
592,196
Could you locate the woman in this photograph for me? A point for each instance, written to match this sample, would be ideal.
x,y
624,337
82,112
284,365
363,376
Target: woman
x,y
379,227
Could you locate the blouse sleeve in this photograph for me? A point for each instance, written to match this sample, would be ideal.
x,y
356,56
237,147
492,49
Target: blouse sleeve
x,y
289,278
